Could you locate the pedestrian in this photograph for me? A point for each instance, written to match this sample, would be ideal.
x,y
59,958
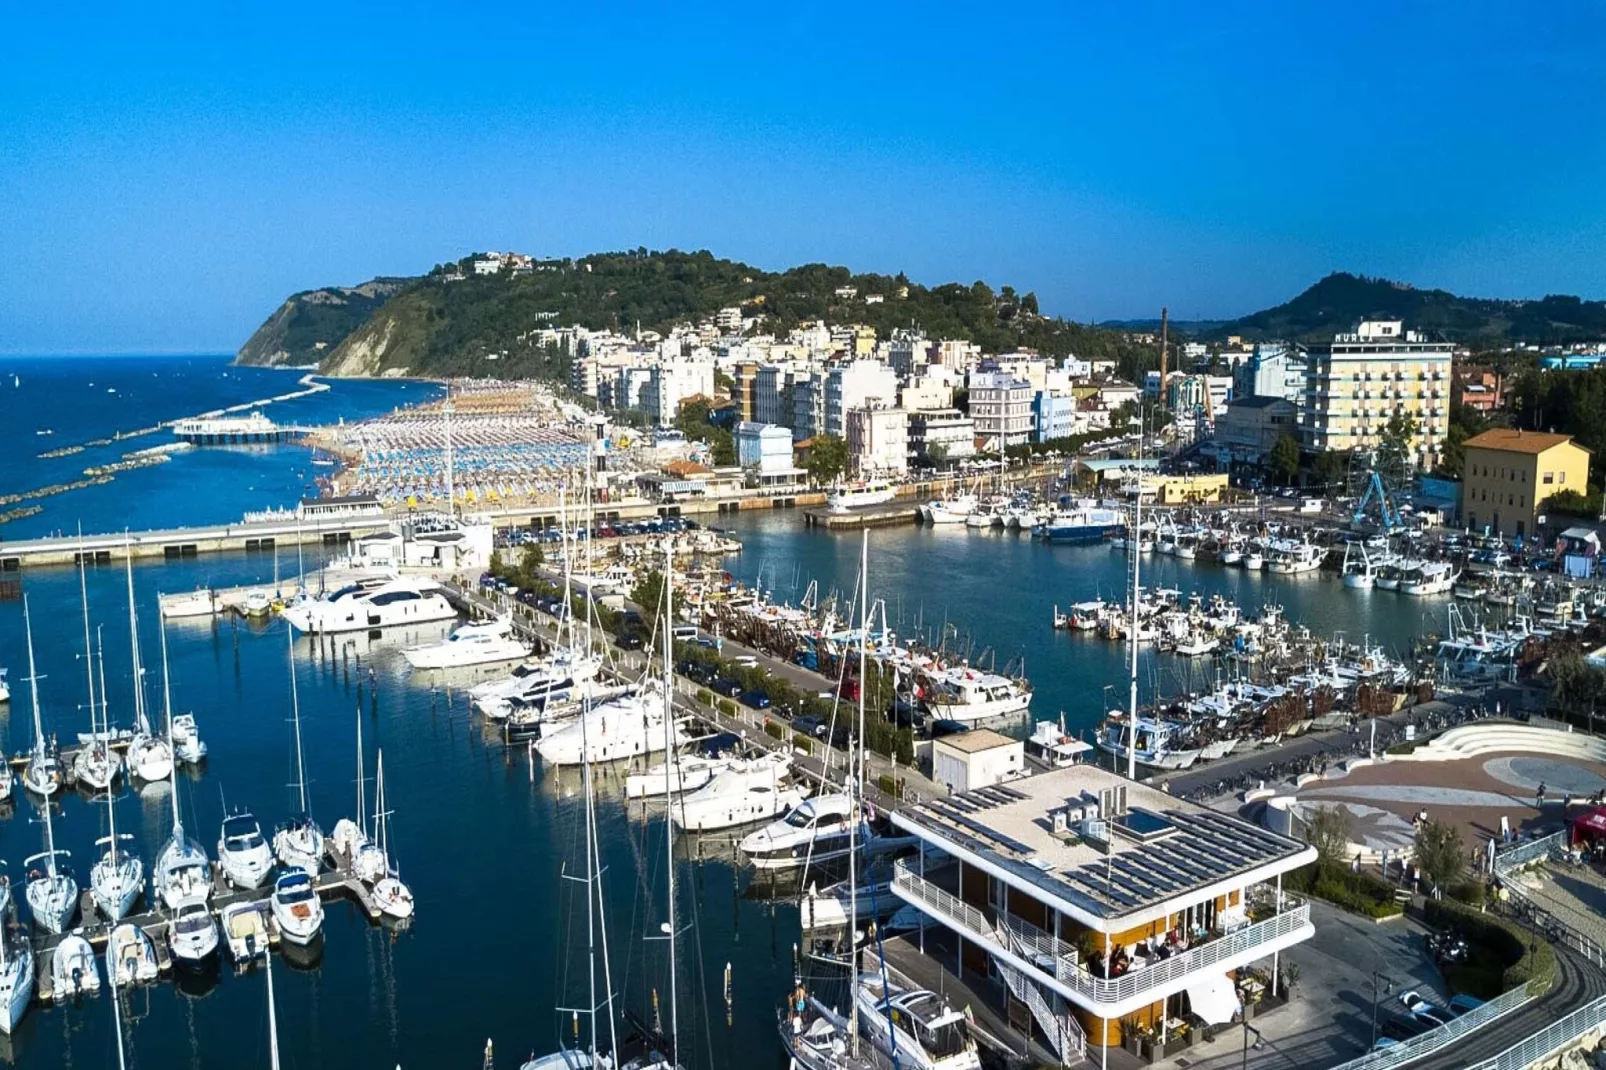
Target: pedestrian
x,y
1540,795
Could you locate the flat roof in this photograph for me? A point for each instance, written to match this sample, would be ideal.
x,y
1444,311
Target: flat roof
x,y
1171,847
1509,440
977,740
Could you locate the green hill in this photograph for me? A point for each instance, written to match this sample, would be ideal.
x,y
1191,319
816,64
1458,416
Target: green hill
x,y
441,324
309,325
1340,301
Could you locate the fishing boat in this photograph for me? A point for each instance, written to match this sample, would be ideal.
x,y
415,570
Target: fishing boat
x,y
860,495
1359,571
16,963
1254,558
298,843
915,1026
243,852
1156,742
192,935
1082,525
73,969
965,694
245,931
1432,578
372,603
470,644
751,790
1288,557
297,910
131,956
955,510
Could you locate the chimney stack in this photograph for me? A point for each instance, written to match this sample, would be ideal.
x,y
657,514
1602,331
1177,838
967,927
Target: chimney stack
x,y
1164,322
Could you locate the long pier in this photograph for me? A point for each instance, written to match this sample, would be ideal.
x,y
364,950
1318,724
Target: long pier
x,y
176,543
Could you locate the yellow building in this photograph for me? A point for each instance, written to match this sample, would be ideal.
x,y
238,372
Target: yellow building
x,y
1354,386
1181,490
1509,474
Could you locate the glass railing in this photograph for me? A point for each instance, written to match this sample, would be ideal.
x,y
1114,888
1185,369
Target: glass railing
x,y
1053,957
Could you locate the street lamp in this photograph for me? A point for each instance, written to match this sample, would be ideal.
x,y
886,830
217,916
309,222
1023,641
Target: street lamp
x,y
1260,1041
1378,991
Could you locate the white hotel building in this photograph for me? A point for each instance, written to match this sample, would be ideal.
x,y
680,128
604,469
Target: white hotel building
x,y
1354,386
1100,902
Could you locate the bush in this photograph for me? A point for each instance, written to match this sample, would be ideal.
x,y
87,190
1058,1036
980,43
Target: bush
x,y
890,785
705,697
1470,892
1522,956
727,707
774,729
802,743
1360,893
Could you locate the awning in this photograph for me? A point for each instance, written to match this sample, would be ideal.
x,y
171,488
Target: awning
x,y
1590,826
1213,998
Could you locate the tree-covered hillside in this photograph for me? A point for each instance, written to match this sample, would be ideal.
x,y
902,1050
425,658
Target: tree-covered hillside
x,y
1340,301
452,322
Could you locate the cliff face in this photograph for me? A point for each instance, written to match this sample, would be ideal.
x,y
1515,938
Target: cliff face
x,y
312,324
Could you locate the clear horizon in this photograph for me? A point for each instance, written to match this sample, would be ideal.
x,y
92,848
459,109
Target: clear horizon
x,y
174,175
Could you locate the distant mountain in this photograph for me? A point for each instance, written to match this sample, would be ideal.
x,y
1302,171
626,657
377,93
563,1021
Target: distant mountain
x,y
1340,301
311,324
1189,328
453,321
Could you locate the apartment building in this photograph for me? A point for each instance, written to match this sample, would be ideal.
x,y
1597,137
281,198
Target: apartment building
x,y
670,382
1355,385
772,393
855,384
1508,474
878,441
1054,416
1477,388
808,406
909,352
1001,405
1275,370
729,320
1101,903
941,435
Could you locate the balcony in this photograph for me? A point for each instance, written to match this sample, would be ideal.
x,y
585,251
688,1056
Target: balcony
x,y
1049,960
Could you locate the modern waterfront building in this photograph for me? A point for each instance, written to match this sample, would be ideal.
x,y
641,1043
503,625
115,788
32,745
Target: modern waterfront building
x,y
1508,474
1001,405
1103,904
1054,416
808,406
1354,386
855,384
937,436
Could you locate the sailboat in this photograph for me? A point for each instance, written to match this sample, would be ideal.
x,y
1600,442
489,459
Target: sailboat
x,y
298,843
349,844
183,873
52,892
395,899
150,757
95,765
42,774
117,879
16,963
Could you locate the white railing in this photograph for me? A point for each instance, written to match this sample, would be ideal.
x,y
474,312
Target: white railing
x,y
1043,950
1529,910
1433,1040
1063,1031
1549,1040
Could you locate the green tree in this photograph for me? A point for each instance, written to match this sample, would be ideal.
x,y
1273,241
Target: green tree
x,y
648,593
1465,422
1440,854
1394,449
530,562
1283,460
828,459
1332,469
1328,830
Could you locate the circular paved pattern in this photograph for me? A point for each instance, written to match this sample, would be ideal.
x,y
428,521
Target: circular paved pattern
x,y
1557,776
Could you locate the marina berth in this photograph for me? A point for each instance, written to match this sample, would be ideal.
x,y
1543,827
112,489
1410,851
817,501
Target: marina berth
x,y
470,644
377,602
748,791
818,830
630,726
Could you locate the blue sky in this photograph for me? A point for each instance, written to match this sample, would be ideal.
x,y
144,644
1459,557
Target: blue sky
x,y
168,178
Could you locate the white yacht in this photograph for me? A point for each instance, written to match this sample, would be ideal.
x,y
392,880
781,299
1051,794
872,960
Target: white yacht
x,y
5,687
192,934
470,644
955,510
183,873
860,495
7,781
188,746
42,774
687,773
372,603
242,851
131,956
562,678
245,931
626,727
916,1026
257,604
962,694
297,910
52,892
817,830
16,964
73,969
750,790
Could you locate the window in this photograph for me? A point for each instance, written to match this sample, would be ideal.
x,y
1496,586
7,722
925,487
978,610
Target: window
x,y
1561,477
1550,477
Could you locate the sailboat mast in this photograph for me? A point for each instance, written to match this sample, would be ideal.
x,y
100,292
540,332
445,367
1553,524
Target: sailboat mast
x,y
593,845
669,754
167,705
362,801
295,716
38,734
141,721
273,1018
83,599
1136,544
117,1014
856,788
111,808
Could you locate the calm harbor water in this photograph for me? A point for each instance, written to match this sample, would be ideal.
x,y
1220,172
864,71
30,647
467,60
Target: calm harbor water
x,y
483,836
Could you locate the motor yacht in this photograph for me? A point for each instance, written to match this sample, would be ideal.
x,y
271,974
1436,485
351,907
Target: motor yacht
x,y
243,852
470,644
565,678
372,603
297,910
860,495
188,746
192,934
7,783
131,956
625,727
816,830
916,1026
964,694
73,969
687,773
749,791
257,604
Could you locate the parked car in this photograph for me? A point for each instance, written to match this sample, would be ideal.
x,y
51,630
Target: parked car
x,y
724,685
756,700
1431,1013
632,640
1463,1003
947,728
809,725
